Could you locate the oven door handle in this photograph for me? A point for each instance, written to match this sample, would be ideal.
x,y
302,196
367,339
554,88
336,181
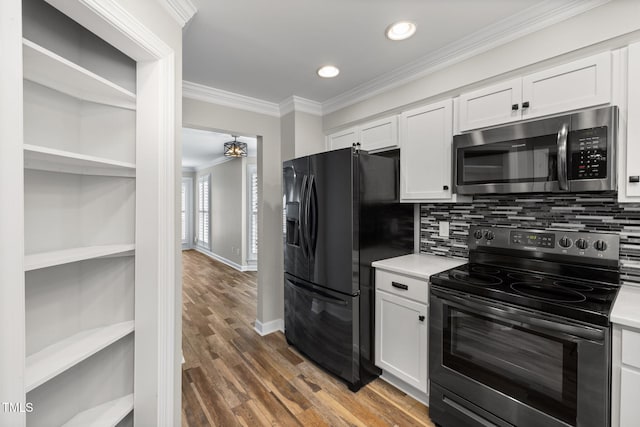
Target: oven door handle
x,y
563,181
556,327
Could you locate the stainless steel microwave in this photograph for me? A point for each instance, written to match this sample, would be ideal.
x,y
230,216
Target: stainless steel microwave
x,y
571,153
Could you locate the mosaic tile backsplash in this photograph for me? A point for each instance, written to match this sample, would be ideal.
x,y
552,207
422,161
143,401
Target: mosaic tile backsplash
x,y
577,212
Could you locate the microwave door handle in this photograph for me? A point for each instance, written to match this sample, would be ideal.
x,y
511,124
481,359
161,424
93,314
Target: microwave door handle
x,y
563,181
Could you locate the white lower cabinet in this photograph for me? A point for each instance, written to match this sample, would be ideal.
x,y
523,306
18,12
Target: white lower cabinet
x,y
629,397
625,382
402,328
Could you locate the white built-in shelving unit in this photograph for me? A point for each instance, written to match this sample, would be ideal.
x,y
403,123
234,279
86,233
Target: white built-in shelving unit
x,y
79,222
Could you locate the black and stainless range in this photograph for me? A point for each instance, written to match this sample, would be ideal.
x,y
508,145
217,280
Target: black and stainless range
x,y
520,336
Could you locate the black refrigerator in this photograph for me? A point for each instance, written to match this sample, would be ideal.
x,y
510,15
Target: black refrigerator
x,y
341,213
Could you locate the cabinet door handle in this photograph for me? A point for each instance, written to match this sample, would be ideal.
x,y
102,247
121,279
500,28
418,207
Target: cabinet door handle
x,y
445,187
634,178
525,104
421,318
514,107
400,286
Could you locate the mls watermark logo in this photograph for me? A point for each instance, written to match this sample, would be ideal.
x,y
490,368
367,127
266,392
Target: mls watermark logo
x,y
12,407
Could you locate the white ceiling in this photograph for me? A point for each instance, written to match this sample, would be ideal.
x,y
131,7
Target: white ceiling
x,y
202,148
271,50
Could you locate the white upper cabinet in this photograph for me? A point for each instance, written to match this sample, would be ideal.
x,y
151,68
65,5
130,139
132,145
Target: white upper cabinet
x,y
343,139
628,184
425,153
381,134
490,105
578,84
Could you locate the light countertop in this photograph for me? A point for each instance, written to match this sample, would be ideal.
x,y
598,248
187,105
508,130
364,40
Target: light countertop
x,y
626,309
418,265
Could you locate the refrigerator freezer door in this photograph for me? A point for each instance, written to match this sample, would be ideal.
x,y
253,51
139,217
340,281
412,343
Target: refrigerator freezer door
x,y
323,325
333,199
295,176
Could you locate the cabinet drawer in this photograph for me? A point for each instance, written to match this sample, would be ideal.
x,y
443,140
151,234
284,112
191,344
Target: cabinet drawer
x,y
404,286
631,348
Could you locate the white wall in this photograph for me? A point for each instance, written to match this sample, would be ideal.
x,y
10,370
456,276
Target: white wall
x,y
288,135
228,209
602,28
202,115
309,137
302,134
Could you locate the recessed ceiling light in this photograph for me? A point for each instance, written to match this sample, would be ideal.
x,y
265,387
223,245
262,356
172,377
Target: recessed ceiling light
x,y
328,71
401,30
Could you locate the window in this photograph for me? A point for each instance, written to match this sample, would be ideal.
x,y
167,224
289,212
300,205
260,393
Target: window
x,y
253,213
203,210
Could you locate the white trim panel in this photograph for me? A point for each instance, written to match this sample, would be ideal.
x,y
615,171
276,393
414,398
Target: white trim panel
x,y
226,261
270,327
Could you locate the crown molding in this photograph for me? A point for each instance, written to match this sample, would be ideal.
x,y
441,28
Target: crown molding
x,y
180,10
242,102
296,103
229,99
526,22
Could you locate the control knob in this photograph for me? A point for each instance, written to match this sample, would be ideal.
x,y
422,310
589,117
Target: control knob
x,y
582,244
600,245
565,242
489,235
478,234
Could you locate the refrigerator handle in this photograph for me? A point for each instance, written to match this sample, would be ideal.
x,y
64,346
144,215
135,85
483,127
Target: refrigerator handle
x,y
302,216
312,218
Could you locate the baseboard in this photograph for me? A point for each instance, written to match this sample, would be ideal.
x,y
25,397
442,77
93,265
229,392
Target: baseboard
x,y
226,261
418,395
270,327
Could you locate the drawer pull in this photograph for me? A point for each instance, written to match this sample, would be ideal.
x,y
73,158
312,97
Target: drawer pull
x,y
400,286
634,178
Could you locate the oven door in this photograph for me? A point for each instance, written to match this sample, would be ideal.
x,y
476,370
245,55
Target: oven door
x,y
523,367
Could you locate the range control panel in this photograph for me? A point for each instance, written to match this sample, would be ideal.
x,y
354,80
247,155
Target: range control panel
x,y
574,243
588,153
536,239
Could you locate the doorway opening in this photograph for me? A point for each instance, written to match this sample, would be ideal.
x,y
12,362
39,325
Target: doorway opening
x,y
220,197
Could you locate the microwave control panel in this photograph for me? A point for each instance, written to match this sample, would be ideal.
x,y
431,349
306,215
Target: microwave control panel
x,y
588,153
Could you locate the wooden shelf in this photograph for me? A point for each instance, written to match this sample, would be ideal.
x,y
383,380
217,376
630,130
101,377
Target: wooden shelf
x,y
52,160
49,69
66,256
106,415
57,358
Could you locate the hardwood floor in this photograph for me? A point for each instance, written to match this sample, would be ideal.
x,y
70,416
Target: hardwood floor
x,y
234,377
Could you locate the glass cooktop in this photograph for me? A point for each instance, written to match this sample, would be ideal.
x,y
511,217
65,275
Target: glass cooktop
x,y
579,299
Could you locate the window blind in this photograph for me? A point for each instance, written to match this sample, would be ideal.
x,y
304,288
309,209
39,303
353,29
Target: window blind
x,y
203,210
